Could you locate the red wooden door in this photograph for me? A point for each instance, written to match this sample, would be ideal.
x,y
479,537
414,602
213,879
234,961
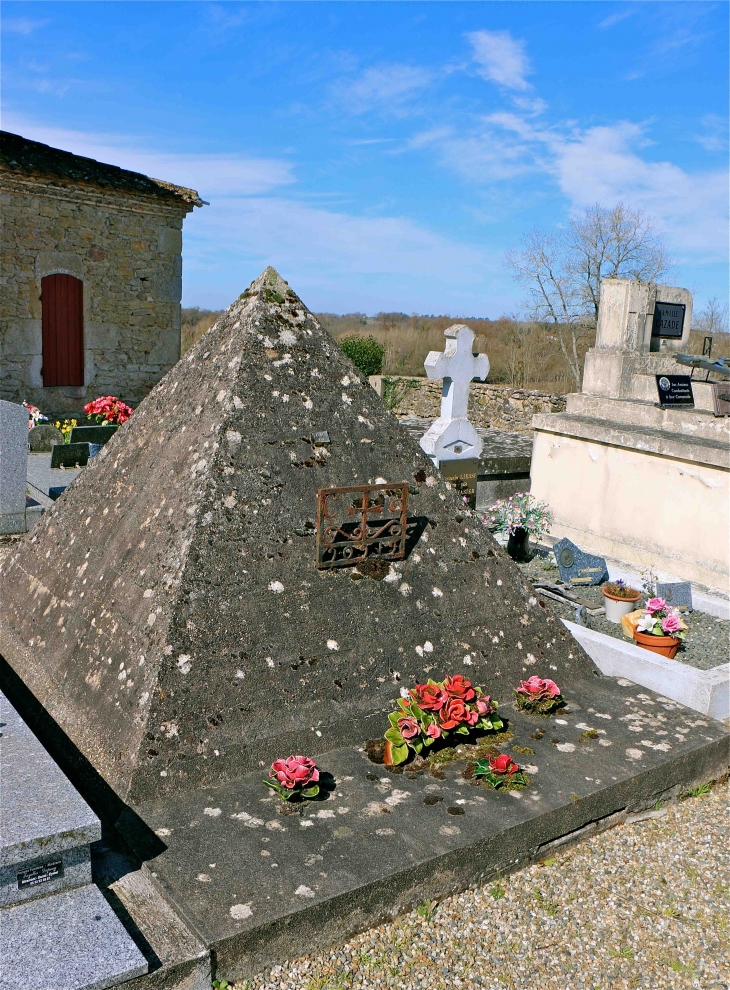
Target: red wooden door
x,y
62,304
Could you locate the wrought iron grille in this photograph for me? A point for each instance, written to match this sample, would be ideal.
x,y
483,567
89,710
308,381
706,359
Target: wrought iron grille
x,y
361,522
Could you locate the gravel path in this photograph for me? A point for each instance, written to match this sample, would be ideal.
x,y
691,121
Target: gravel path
x,y
708,641
645,905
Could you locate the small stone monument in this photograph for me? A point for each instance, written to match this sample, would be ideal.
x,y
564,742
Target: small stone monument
x,y
13,466
452,437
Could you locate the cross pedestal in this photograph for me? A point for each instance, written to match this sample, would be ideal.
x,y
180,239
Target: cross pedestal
x,y
452,437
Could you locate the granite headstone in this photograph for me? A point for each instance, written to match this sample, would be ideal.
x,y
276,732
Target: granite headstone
x,y
578,567
42,438
13,466
678,594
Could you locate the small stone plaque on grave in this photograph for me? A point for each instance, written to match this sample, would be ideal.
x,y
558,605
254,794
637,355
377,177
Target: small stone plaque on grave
x,y
678,594
360,522
462,475
321,439
69,455
668,320
39,875
675,390
92,434
578,567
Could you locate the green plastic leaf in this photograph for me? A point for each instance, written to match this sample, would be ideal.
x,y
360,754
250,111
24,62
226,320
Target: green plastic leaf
x,y
393,719
393,736
311,792
416,745
399,754
463,730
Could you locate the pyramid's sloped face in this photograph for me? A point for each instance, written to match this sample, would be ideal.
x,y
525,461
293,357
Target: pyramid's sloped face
x,y
180,630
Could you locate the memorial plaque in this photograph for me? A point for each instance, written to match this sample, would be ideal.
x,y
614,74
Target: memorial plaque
x,y
40,874
69,455
668,320
462,475
675,390
361,522
578,567
678,594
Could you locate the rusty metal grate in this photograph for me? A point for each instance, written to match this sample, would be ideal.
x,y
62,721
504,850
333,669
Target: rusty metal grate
x,y
361,522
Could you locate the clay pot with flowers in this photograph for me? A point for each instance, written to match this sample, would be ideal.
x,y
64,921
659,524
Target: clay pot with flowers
x,y
619,599
660,629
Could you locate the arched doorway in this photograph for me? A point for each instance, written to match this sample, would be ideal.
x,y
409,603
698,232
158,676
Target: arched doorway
x,y
62,306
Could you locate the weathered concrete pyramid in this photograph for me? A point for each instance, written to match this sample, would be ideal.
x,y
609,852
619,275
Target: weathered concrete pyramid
x,y
169,612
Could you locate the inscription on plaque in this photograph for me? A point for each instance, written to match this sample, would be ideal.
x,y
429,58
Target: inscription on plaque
x,y
462,475
361,522
675,390
668,320
39,874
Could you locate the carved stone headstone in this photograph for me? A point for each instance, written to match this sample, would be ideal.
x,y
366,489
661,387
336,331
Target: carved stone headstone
x,y
678,594
578,567
452,436
42,438
13,466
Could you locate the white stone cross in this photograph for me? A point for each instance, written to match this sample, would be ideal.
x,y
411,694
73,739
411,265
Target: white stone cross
x,y
452,436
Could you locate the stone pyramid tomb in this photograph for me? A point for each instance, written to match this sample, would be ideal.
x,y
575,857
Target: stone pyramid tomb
x,y
191,609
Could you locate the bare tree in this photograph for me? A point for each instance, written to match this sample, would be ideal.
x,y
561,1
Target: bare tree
x,y
712,319
563,272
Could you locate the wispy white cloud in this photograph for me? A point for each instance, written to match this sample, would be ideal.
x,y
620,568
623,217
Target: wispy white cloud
x,y
211,174
23,25
714,134
385,87
613,19
500,58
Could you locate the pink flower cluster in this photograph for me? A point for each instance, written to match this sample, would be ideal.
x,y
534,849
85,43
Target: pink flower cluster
x,y
538,694
660,619
295,771
108,410
36,416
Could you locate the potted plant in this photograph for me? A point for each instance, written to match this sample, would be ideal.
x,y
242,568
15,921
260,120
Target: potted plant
x,y
620,599
520,516
108,411
660,629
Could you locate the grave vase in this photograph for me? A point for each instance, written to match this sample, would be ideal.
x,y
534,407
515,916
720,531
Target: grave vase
x,y
518,544
666,646
617,608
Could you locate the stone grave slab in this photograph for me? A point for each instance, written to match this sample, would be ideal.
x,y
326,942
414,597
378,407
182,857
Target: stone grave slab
x,y
69,455
170,614
13,466
68,941
578,567
42,438
677,593
92,434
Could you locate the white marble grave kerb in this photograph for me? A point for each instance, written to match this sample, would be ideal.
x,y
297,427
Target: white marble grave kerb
x,y
452,437
13,466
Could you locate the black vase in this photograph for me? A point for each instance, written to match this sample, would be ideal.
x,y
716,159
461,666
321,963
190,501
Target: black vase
x,y
518,545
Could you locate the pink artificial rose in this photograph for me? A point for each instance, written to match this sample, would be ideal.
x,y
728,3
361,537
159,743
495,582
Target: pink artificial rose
x,y
433,731
670,625
409,727
484,705
295,771
538,687
655,605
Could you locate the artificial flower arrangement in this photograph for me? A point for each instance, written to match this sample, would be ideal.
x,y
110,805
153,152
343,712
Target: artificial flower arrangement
x,y
521,511
538,695
294,778
434,710
500,771
65,427
108,410
36,416
660,619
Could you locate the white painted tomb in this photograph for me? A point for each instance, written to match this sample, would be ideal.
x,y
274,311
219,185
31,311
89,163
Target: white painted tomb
x,y
452,437
625,477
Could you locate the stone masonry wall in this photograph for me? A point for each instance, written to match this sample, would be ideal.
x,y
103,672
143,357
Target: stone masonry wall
x,y
500,407
126,249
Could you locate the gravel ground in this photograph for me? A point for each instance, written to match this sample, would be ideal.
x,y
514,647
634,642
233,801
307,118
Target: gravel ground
x,y
708,641
645,905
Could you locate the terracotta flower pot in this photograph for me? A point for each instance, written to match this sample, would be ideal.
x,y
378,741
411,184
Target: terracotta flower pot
x,y
617,608
667,646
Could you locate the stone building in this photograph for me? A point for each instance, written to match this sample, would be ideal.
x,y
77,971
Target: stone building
x,y
91,277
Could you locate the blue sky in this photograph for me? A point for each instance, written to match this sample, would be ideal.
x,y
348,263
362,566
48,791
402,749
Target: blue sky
x,y
385,156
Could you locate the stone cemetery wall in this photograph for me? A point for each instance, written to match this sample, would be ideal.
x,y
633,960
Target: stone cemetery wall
x,y
126,249
497,406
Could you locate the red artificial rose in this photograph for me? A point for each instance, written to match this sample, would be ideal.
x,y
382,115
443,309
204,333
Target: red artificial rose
x,y
453,713
503,765
409,727
295,771
429,697
458,687
536,687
